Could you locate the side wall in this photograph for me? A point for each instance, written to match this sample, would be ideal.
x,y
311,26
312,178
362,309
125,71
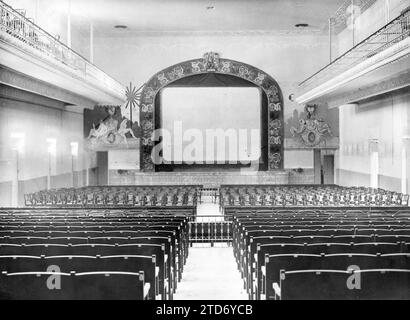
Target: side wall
x,y
36,119
386,119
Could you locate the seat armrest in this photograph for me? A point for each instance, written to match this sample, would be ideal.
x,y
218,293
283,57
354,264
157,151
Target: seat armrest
x,y
147,286
276,288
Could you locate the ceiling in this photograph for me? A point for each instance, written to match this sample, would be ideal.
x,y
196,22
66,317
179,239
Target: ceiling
x,y
182,16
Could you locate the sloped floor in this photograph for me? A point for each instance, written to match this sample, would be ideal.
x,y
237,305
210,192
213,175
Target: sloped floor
x,y
211,274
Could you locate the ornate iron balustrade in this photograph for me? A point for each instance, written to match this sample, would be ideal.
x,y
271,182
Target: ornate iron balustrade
x,y
19,30
392,33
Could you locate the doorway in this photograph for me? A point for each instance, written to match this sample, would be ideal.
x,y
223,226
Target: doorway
x,y
323,163
102,168
328,169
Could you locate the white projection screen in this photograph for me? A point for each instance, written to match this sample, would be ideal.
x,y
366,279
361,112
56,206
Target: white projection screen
x,y
205,125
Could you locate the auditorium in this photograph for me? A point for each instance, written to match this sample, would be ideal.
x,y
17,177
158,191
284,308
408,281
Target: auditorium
x,y
204,150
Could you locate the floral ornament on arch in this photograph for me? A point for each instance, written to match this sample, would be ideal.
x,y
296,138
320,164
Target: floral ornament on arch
x,y
147,125
178,72
149,94
277,140
226,67
259,79
147,108
275,106
243,72
275,124
162,79
196,66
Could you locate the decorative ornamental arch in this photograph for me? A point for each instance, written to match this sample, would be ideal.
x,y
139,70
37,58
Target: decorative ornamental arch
x,y
211,63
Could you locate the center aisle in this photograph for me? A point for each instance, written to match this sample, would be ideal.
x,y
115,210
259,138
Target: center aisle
x,y
211,274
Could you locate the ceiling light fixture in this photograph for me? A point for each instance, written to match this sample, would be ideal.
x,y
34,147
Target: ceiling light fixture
x,y
301,25
120,26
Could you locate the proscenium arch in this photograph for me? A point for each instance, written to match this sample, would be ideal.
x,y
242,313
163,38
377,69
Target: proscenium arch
x,y
211,63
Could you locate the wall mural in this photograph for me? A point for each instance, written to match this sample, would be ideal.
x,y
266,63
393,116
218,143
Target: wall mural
x,y
312,130
106,128
211,62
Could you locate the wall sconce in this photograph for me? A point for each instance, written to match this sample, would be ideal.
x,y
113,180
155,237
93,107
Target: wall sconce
x,y
51,146
406,141
74,149
373,145
19,144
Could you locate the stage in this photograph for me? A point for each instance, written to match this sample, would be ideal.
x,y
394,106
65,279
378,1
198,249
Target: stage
x,y
208,179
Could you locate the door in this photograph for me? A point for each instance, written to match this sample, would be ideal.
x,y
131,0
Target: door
x,y
102,168
328,169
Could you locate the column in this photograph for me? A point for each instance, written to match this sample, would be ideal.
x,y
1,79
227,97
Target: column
x,y
49,172
52,152
405,163
74,155
87,176
15,179
91,41
69,24
18,142
374,162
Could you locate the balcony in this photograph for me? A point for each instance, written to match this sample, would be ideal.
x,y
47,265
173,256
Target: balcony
x,y
30,50
364,64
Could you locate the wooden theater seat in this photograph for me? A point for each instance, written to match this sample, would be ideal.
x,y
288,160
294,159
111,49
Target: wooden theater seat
x,y
74,286
332,284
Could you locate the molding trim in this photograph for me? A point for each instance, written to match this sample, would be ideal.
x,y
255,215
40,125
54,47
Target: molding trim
x,y
21,81
396,83
226,33
297,144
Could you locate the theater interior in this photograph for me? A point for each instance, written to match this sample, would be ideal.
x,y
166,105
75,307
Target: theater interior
x,y
204,150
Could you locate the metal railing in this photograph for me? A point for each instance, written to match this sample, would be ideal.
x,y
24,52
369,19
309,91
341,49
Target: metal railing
x,y
26,34
210,229
390,34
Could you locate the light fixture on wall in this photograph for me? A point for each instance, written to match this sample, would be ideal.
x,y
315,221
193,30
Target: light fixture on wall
x,y
18,141
74,154
120,26
51,146
301,25
74,149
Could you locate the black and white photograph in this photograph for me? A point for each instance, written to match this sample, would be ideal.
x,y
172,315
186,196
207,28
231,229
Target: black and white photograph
x,y
216,152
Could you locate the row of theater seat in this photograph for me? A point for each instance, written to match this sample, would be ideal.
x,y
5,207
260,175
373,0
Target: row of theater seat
x,y
309,195
103,256
312,255
135,196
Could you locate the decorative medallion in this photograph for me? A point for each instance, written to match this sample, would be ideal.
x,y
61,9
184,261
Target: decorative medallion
x,y
211,61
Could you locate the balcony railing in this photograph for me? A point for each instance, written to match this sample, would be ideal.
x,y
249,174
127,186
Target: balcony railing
x,y
30,36
390,34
